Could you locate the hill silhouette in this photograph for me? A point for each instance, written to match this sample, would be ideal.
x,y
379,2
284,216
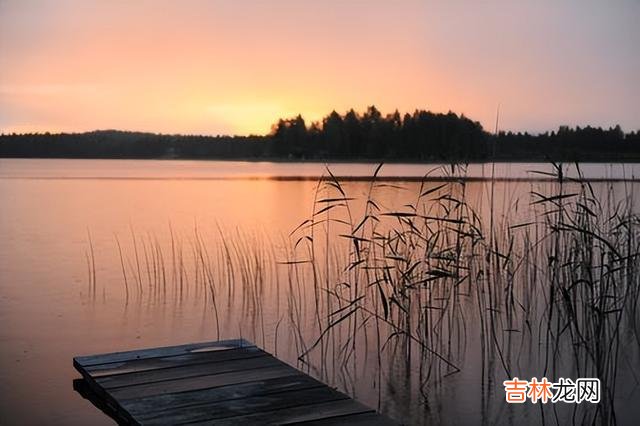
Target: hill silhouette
x,y
419,137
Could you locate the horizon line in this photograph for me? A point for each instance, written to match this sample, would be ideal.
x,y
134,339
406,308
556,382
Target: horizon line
x,y
309,124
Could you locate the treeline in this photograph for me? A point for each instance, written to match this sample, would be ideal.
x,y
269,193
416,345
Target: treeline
x,y
119,144
569,144
419,137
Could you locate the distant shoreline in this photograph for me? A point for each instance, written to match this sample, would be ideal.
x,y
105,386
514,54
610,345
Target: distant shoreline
x,y
315,178
421,138
600,160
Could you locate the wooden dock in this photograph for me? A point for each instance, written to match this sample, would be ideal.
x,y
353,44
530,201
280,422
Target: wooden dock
x,y
230,382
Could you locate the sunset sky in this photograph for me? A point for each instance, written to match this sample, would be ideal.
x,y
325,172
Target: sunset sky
x,y
235,66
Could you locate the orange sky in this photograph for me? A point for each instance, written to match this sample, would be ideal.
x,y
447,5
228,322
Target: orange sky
x,y
234,67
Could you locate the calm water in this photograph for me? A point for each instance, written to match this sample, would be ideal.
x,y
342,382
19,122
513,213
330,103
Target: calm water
x,y
51,311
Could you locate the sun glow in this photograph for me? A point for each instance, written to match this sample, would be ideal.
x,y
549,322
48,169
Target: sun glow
x,y
248,118
236,67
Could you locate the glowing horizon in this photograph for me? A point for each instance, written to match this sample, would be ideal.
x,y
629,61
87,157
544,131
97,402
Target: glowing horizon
x,y
216,67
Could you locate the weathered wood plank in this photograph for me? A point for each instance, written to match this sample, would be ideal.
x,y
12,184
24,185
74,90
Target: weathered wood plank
x,y
363,419
157,403
202,382
165,374
223,383
137,365
85,361
294,414
240,407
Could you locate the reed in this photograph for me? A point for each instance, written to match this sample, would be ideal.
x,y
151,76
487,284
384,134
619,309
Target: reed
x,y
547,286
564,283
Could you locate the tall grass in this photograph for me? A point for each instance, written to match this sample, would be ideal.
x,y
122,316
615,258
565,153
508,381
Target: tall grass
x,y
414,296
553,296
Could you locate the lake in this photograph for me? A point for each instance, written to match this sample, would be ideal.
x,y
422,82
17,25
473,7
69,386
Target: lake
x,y
105,255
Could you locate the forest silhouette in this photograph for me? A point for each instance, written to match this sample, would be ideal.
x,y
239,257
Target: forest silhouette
x,y
419,137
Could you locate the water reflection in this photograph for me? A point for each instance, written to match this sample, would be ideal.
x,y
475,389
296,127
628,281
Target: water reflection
x,y
176,261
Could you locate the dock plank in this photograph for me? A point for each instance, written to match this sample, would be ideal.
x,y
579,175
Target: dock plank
x,y
222,345
157,403
137,365
293,415
361,419
187,371
202,382
241,407
227,382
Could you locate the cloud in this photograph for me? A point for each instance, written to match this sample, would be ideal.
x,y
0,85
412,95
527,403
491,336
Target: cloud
x,y
48,89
